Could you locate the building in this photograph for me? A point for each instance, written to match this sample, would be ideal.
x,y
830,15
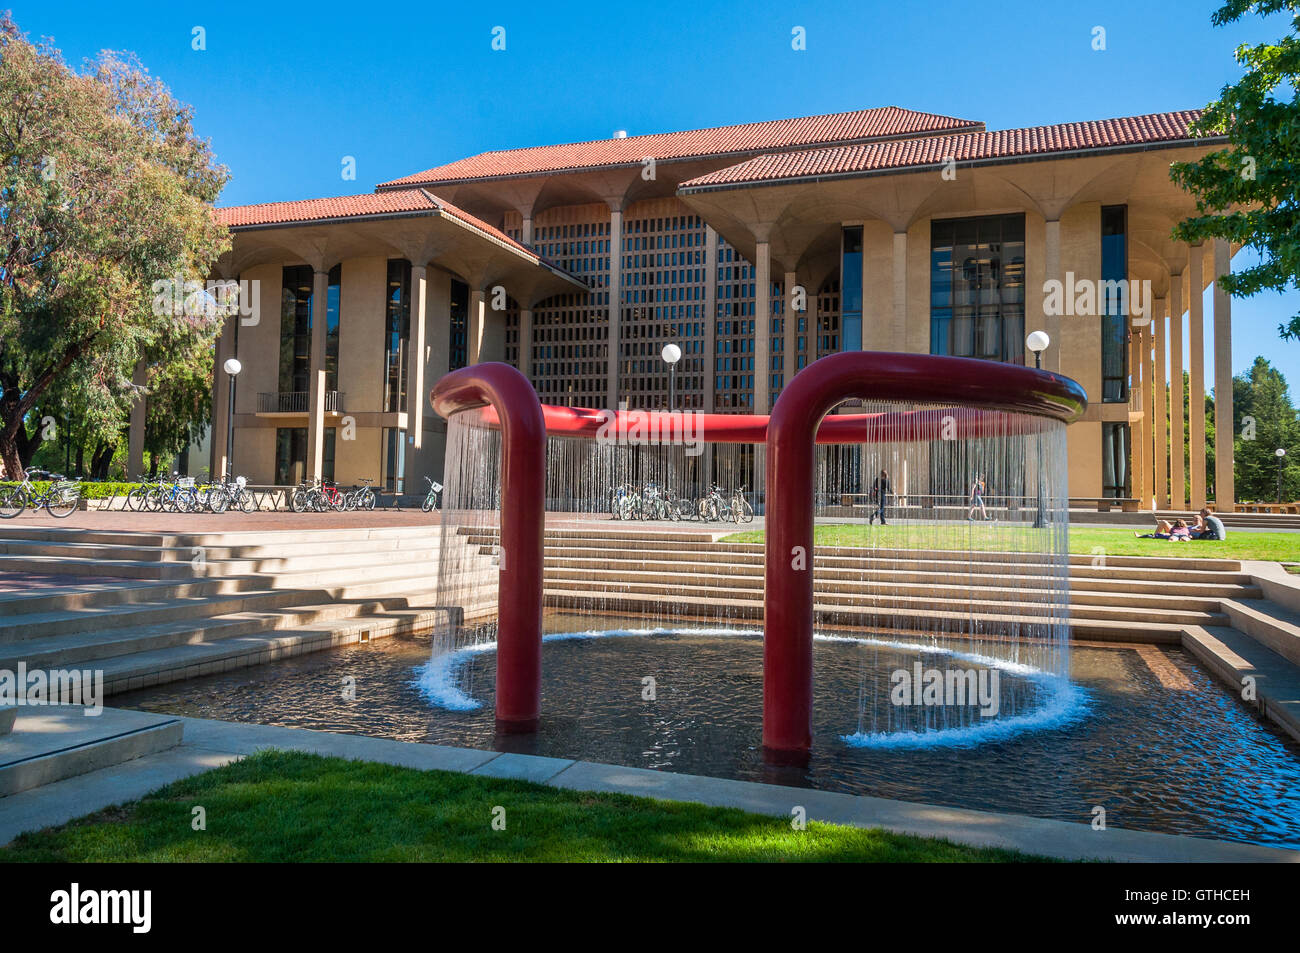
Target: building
x,y
757,249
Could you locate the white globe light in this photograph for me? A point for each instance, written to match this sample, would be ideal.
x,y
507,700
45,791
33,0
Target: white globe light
x,y
672,353
1280,452
1037,341
233,366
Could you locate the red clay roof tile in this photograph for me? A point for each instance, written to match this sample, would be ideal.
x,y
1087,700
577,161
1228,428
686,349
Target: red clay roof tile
x,y
859,125
965,147
356,206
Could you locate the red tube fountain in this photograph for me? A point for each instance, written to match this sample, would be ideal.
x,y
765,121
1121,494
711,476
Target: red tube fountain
x,y
523,514
791,433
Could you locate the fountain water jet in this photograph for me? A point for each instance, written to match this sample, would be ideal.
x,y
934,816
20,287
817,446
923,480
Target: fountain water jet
x,y
948,413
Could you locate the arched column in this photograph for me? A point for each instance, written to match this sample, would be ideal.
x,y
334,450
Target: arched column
x,y
1177,421
1225,484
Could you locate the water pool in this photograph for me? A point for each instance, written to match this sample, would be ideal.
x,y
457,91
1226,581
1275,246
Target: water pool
x,y
1172,752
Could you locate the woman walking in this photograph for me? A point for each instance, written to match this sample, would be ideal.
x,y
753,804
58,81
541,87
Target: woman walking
x,y
977,499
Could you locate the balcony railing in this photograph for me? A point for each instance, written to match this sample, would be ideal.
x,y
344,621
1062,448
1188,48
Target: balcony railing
x,y
297,402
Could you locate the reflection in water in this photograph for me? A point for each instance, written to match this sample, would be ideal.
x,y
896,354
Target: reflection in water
x,y
1184,761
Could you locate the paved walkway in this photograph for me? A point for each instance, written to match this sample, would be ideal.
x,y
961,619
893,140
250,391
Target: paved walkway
x,y
116,521
209,743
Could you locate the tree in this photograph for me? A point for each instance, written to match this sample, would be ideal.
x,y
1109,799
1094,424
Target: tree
x,y
1266,420
105,190
1247,192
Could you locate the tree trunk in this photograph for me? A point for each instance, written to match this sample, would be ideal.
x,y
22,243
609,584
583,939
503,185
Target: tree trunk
x,y
13,468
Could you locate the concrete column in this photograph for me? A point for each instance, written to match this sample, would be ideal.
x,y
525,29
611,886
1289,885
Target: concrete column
x,y
475,325
899,337
790,337
316,389
710,320
217,463
135,435
437,303
762,328
1196,375
526,232
1146,399
1177,422
1137,456
1225,485
526,342
615,304
1159,406
1052,270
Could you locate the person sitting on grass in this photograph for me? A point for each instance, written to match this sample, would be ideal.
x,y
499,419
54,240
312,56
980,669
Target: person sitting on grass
x,y
1163,528
1181,532
1210,527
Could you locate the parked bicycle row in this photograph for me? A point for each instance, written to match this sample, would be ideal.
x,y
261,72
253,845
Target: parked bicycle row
x,y
650,501
187,495
327,497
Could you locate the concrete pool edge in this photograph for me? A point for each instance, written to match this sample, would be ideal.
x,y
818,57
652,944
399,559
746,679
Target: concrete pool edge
x,y
208,743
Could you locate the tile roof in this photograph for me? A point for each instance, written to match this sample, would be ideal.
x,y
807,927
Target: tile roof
x,y
357,206
964,147
859,125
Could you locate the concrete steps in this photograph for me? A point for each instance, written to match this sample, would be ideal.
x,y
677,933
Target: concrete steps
x,y
253,596
50,743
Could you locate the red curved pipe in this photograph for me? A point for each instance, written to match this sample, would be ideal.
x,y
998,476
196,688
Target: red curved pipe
x,y
936,423
523,514
796,418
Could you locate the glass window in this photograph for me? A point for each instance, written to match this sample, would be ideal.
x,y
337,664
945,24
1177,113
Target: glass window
x,y
851,290
459,356
295,329
397,334
1114,459
393,466
332,328
977,287
1114,320
291,455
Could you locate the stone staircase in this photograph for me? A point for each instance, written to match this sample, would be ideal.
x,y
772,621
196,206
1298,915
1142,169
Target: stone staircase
x,y
1215,608
151,608
1128,598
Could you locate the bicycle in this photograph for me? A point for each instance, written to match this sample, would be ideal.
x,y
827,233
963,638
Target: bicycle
x,y
360,497
712,507
137,498
238,494
60,498
433,499
741,511
304,496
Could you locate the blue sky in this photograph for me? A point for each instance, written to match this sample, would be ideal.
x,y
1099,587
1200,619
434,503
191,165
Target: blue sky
x,y
286,90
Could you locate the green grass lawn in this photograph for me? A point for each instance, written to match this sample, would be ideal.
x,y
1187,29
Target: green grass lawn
x,y
1084,540
286,806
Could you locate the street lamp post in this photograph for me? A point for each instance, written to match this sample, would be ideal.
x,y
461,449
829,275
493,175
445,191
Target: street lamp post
x,y
232,367
1037,341
672,354
1280,453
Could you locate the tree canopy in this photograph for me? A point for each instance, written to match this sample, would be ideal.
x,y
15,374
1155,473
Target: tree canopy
x,y
1247,192
105,189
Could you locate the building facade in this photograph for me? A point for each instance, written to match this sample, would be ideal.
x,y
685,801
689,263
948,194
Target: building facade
x,y
756,249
